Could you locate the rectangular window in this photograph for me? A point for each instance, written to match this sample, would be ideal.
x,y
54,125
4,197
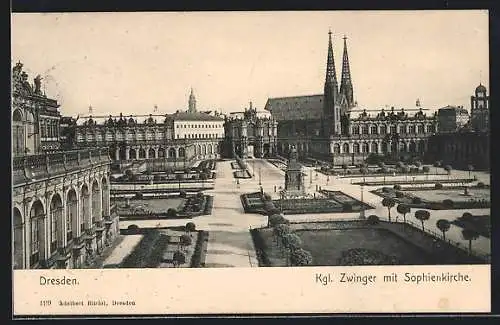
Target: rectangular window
x,y
69,221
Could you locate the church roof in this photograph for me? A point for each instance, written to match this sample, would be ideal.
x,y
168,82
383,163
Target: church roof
x,y
296,107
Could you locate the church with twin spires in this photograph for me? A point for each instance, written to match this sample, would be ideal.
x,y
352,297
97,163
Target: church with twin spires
x,y
330,126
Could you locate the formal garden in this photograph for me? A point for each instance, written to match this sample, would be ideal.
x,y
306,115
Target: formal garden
x,y
166,247
183,205
353,242
330,202
438,197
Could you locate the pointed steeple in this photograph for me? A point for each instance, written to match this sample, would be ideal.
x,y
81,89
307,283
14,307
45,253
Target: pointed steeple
x,y
192,102
346,82
331,75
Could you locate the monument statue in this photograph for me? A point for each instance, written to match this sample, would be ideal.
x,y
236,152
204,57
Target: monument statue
x,y
294,179
38,84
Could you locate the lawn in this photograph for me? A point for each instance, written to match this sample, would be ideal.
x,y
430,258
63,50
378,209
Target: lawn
x,y
456,195
328,245
160,205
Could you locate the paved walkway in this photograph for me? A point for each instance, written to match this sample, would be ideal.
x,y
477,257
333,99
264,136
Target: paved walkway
x,y
230,243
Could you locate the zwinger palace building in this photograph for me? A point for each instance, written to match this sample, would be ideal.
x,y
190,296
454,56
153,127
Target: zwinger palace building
x,y
61,213
330,126
175,140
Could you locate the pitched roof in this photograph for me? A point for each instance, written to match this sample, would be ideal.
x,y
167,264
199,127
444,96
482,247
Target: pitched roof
x,y
296,107
195,116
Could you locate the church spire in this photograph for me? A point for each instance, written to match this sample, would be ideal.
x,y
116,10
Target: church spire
x,y
331,75
346,82
192,102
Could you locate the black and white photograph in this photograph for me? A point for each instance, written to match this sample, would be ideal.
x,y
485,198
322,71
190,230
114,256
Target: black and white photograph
x,y
157,140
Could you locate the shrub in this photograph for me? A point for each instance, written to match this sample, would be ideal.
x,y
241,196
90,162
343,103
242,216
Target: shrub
x,y
467,216
186,240
179,258
397,187
438,186
386,189
171,212
183,194
266,197
416,200
480,185
190,227
133,229
373,219
138,195
400,194
448,203
199,195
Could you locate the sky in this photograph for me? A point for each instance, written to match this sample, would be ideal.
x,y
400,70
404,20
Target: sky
x,y
130,62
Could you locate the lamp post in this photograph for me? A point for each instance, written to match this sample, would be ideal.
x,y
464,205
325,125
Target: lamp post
x,y
362,214
327,179
310,177
260,180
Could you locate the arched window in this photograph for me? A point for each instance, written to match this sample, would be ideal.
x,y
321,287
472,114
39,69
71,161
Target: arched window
x,y
17,133
402,129
420,128
355,129
336,148
383,130
355,147
96,203
56,222
71,215
430,128
85,208
411,129
171,153
365,147
37,233
374,147
345,148
373,129
393,129
182,152
364,129
18,250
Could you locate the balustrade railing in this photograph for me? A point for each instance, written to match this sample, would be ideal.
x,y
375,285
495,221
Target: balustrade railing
x,y
35,167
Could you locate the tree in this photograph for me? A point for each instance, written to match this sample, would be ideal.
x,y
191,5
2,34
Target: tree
x,y
426,170
403,209
190,227
182,194
470,168
470,235
448,170
389,203
275,219
291,242
422,215
280,230
301,257
444,226
185,240
179,258
418,164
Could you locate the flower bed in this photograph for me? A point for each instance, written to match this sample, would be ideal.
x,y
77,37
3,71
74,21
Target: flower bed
x,y
242,174
234,165
141,255
252,203
200,250
414,201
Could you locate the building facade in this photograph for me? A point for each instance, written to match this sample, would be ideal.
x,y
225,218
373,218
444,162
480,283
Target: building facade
x,y
480,109
61,212
35,118
460,149
331,126
173,139
250,134
452,118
